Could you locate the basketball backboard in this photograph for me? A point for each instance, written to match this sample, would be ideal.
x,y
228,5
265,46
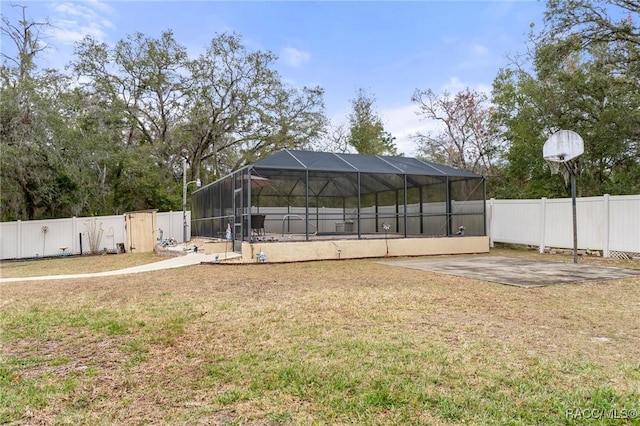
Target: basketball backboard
x,y
562,146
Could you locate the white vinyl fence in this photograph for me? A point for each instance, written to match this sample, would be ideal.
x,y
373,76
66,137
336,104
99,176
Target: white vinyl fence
x,y
610,224
43,238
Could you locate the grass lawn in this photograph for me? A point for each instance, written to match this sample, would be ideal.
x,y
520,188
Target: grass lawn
x,y
335,342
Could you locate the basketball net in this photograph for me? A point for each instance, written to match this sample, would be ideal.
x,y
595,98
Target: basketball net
x,y
557,167
554,166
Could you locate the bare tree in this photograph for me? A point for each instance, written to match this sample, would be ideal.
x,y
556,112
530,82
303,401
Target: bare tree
x,y
335,139
466,140
25,35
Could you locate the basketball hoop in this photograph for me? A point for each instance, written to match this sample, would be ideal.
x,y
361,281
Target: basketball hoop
x,y
562,148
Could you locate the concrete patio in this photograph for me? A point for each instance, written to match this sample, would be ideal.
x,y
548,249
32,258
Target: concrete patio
x,y
516,271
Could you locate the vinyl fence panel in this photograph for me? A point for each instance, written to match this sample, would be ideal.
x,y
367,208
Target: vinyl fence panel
x,y
46,238
624,223
515,221
607,223
10,240
171,224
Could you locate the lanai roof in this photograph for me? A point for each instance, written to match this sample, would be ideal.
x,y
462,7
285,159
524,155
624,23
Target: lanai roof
x,y
337,162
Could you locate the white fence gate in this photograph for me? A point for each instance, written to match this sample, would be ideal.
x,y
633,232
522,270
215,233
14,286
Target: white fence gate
x,y
42,238
610,224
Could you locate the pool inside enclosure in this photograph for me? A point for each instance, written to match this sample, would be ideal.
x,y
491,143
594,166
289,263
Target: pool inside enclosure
x,y
306,195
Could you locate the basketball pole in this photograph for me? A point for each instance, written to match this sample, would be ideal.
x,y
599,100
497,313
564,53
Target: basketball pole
x,y
571,169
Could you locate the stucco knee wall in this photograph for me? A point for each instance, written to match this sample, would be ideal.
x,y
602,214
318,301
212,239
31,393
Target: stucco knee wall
x,y
355,249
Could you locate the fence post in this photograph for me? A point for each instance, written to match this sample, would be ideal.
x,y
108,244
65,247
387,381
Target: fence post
x,y
543,219
19,240
171,223
490,220
124,232
74,233
605,223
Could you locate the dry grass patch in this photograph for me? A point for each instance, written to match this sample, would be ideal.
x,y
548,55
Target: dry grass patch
x,y
74,264
338,342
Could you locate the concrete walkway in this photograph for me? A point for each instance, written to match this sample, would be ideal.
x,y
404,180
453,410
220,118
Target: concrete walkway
x,y
174,262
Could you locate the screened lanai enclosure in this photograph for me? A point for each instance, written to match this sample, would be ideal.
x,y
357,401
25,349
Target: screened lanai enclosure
x,y
303,196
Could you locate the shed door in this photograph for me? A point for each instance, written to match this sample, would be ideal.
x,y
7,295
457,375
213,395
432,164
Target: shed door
x,y
141,232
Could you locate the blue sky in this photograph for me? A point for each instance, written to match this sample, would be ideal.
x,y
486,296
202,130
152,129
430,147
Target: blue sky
x,y
389,48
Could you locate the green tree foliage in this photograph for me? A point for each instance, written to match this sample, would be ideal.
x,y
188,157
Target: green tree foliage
x,y
607,34
111,136
31,165
584,77
137,88
366,132
584,22
240,110
140,76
